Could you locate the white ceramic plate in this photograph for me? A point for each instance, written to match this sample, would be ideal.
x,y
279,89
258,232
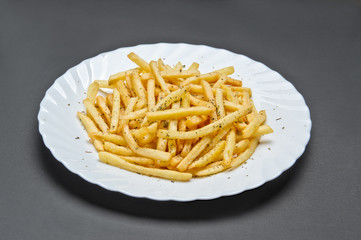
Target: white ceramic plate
x,y
286,110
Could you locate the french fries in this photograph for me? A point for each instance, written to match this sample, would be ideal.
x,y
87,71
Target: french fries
x,y
173,122
139,61
178,113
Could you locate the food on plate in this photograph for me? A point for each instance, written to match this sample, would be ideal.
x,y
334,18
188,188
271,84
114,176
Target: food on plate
x,y
174,122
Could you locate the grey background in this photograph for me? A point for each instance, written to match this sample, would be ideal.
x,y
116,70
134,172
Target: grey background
x,y
316,45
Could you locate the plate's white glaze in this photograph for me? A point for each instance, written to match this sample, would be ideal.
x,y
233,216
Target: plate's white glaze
x,y
286,110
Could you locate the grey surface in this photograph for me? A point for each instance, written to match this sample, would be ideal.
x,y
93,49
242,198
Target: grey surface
x,y
316,45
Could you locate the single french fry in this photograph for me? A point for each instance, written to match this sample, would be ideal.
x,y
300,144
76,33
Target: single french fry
x,y
208,92
155,71
92,91
210,156
117,161
134,115
90,127
138,86
212,127
233,82
151,94
240,126
196,150
139,61
161,65
114,138
162,144
219,103
104,84
262,130
154,154
173,125
241,146
169,99
102,105
195,88
115,112
227,70
185,103
138,160
109,100
209,77
118,76
94,113
120,150
229,148
254,124
172,147
129,84
240,159
179,74
211,169
178,113
231,106
190,80
242,89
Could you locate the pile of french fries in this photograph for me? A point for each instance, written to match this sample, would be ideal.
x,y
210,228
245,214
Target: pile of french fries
x,y
172,122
